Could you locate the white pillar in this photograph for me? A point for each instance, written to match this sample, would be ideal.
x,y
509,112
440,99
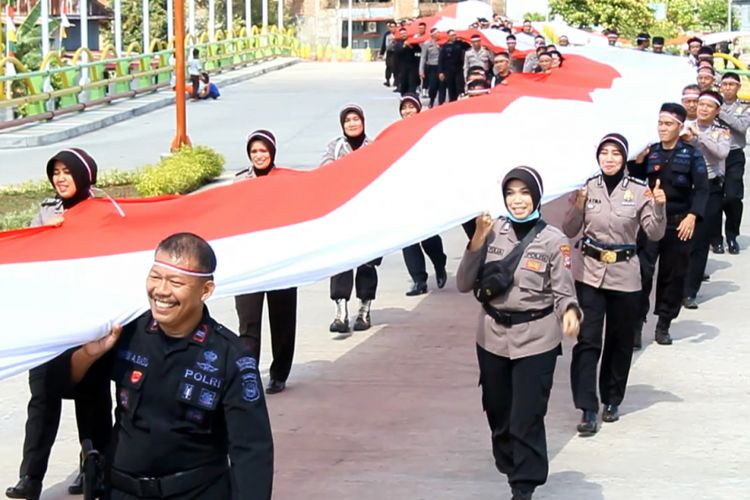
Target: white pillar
x,y
45,27
248,17
191,17
729,15
264,12
83,5
280,16
349,27
170,21
146,28
211,16
230,15
118,27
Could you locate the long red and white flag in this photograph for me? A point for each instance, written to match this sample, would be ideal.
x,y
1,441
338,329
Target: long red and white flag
x,y
62,286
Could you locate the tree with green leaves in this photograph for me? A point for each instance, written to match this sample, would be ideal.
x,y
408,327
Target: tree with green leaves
x,y
629,17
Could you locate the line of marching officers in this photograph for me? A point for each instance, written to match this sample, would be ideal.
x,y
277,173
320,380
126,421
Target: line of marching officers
x,y
662,207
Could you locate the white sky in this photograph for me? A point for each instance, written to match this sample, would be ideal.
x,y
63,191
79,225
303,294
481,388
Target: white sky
x,y
515,9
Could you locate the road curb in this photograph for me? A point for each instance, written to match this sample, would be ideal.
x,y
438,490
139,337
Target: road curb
x,y
20,139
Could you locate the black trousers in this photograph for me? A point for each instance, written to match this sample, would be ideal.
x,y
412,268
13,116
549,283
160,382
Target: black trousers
x,y
414,258
515,393
93,405
408,78
734,190
366,281
673,255
432,82
705,232
454,84
621,312
282,317
390,65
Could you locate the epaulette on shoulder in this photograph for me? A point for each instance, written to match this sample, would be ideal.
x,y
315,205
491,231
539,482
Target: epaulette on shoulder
x,y
50,202
227,334
592,178
635,180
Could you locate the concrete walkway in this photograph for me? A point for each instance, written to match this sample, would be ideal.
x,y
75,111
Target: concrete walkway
x,y
395,412
76,124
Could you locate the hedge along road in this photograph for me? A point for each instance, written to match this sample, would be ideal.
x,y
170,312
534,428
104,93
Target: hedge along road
x,y
300,105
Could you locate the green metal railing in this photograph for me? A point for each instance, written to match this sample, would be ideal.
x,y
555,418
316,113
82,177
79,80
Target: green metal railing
x,y
60,88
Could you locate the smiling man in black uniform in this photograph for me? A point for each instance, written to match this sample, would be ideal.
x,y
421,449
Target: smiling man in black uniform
x,y
191,421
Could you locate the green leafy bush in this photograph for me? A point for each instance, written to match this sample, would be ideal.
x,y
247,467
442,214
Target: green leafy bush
x,y
17,219
180,173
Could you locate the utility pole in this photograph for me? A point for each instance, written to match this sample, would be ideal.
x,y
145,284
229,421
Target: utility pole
x,y
181,138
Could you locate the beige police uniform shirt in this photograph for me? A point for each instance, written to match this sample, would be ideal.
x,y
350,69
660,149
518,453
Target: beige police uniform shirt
x,y
481,57
49,209
542,279
713,141
613,219
737,117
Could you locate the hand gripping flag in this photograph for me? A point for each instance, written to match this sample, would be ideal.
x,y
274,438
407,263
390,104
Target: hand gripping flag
x,y
62,286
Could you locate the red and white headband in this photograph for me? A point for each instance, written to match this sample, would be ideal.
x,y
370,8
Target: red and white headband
x,y
189,272
707,97
671,115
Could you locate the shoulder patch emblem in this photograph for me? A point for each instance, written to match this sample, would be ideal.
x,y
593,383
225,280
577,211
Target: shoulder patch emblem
x,y
250,392
565,250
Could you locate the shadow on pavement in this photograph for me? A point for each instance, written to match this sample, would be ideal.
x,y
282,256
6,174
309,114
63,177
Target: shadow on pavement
x,y
696,331
573,484
400,416
640,397
715,289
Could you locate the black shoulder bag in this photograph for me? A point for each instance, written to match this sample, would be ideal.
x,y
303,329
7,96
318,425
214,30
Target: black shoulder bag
x,y
496,277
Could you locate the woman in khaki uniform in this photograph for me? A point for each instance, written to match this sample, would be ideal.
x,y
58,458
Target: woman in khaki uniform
x,y
609,208
518,351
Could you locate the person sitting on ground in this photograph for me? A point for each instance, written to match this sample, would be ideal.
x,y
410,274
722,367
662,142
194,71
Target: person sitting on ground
x,y
208,89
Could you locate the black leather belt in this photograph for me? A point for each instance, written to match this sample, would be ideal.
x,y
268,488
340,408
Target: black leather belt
x,y
165,486
610,255
510,318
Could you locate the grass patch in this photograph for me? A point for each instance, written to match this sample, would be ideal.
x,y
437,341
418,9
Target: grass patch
x,y
17,210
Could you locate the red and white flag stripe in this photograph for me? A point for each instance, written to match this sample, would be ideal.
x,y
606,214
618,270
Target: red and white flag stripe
x,y
65,285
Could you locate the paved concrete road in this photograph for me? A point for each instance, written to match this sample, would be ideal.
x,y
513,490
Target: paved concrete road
x,y
395,413
300,105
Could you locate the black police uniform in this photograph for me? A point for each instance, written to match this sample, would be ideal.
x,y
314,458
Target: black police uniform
x,y
408,64
683,176
451,64
187,408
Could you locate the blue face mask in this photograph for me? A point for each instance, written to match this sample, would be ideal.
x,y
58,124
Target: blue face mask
x,y
533,215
